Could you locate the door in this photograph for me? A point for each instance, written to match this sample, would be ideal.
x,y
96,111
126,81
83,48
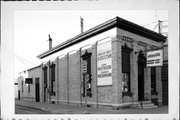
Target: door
x,y
19,95
141,66
37,90
140,82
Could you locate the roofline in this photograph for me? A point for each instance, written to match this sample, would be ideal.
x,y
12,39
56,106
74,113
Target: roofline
x,y
33,68
115,22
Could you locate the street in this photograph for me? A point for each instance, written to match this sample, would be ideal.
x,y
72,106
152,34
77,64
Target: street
x,y
24,107
27,110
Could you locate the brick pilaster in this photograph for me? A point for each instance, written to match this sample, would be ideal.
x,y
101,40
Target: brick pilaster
x,y
116,70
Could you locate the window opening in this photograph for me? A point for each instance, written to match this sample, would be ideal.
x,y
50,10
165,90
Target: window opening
x,y
22,86
53,79
153,79
126,68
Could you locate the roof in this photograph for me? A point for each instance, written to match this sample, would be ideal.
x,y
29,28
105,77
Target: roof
x,y
115,22
33,68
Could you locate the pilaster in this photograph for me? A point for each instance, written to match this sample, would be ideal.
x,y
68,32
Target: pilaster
x,y
147,79
67,76
57,79
42,84
134,71
48,82
116,70
80,75
94,72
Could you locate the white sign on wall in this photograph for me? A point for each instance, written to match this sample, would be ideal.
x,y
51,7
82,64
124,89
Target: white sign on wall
x,y
154,58
104,63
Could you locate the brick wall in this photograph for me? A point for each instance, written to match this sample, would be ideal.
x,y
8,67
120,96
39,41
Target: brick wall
x,y
74,77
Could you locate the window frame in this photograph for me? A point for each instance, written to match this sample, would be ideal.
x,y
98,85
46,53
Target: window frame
x,y
125,49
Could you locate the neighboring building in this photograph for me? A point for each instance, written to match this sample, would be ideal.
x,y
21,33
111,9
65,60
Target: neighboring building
x,y
16,89
107,63
29,84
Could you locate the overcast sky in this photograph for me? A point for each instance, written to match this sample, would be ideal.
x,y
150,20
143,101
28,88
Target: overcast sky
x,y
31,29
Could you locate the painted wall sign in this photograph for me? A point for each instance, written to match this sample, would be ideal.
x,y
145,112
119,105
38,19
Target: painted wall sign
x,y
104,63
154,58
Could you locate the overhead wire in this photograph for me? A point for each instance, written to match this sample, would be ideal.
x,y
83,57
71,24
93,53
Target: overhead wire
x,y
22,59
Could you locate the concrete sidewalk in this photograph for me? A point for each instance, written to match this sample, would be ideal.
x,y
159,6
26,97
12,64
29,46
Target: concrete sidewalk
x,y
65,109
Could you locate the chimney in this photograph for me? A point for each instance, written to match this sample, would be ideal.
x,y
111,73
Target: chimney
x,y
81,25
50,42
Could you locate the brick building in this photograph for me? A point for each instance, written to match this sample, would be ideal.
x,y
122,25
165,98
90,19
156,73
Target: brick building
x,y
106,63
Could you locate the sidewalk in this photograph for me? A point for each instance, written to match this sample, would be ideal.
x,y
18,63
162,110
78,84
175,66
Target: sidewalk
x,y
65,109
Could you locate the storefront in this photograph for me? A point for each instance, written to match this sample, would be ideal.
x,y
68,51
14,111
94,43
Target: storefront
x,y
104,66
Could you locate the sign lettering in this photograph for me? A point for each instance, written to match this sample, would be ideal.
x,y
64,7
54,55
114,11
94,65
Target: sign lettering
x,y
104,63
154,58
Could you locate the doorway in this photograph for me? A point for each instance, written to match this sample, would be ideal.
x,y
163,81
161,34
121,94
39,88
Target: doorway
x,y
141,66
37,97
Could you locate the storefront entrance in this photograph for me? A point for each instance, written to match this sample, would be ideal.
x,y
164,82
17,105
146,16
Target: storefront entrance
x,y
141,65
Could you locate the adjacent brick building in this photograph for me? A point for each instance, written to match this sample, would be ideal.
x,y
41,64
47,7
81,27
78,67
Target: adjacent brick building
x,y
106,63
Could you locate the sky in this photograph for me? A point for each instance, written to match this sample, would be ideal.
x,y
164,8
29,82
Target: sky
x,y
31,29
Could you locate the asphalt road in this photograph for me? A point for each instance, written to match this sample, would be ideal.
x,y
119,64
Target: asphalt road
x,y
26,110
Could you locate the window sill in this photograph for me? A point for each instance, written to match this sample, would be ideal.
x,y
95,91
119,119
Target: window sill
x,y
127,94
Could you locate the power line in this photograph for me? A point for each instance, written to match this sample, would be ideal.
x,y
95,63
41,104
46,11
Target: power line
x,y
24,60
21,60
149,23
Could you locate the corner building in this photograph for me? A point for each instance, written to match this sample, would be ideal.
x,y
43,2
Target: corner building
x,y
105,66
